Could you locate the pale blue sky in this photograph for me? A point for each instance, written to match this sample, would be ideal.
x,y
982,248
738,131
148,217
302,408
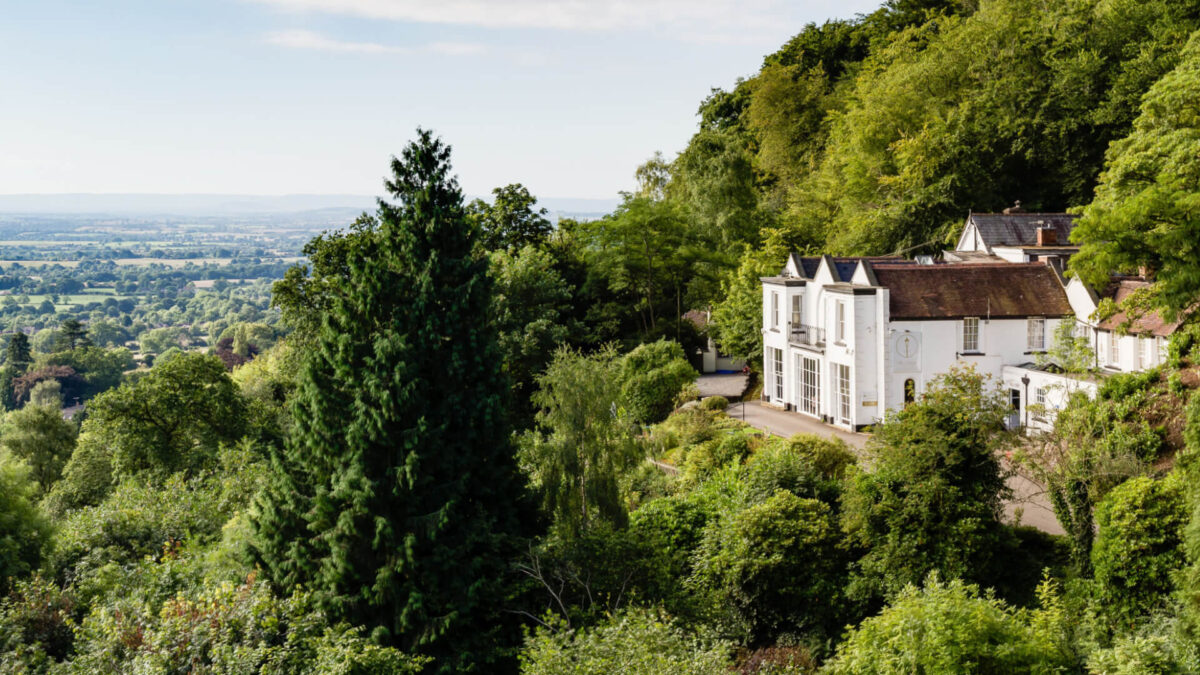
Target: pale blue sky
x,y
313,96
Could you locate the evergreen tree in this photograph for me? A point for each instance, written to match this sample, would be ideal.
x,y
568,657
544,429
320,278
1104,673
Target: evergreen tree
x,y
397,500
18,354
71,334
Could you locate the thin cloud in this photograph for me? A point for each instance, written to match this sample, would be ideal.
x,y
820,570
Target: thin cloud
x,y
306,39
715,20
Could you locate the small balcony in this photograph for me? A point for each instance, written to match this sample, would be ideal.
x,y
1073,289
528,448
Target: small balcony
x,y
806,336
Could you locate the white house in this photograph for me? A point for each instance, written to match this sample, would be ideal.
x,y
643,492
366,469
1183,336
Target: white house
x,y
1143,343
1015,236
847,339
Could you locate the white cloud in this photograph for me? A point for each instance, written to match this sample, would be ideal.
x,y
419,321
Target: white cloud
x,y
716,20
305,39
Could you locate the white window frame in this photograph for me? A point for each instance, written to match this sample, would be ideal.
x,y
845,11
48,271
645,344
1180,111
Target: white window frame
x,y
1143,355
842,372
774,309
1160,344
840,322
796,312
1114,349
810,386
777,369
970,334
1039,400
1035,336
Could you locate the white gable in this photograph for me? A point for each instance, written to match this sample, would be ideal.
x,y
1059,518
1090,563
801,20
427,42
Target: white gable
x,y
861,278
825,272
1083,300
969,240
792,268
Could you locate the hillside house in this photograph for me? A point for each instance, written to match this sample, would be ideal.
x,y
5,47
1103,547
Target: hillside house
x,y
1015,236
845,340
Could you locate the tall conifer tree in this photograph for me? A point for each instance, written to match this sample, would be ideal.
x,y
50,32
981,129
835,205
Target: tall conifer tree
x,y
397,500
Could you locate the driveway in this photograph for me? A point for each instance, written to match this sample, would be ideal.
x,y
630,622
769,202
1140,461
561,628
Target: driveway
x,y
730,386
1029,498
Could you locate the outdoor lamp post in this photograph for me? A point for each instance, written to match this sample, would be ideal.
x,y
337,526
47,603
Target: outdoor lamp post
x,y
1025,401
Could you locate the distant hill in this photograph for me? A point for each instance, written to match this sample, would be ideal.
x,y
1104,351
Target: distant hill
x,y
232,205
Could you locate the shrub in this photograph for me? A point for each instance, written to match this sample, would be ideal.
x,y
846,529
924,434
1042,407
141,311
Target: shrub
x,y
136,520
1175,384
806,465
40,437
651,377
715,403
86,478
1138,547
776,565
37,625
23,529
933,499
230,629
951,628
1123,385
633,642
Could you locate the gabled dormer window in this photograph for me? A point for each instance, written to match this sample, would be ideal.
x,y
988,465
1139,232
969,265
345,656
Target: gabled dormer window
x,y
970,334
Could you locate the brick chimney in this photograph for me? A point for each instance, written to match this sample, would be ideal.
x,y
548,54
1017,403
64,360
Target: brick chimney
x,y
1047,236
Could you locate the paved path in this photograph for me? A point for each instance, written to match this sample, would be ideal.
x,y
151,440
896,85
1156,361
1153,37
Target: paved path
x,y
1028,496
730,386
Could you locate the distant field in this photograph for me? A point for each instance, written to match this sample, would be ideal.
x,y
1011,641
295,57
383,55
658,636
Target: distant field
x,y
74,298
135,262
48,242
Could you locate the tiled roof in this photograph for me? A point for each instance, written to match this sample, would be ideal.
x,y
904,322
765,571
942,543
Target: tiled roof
x,y
845,265
998,290
1150,323
1020,229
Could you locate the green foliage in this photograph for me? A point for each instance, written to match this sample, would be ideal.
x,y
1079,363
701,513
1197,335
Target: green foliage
x,y
1095,446
137,520
40,437
510,222
17,354
86,478
949,627
231,629
1069,351
651,377
37,622
47,394
397,500
1144,212
777,566
172,419
806,465
23,529
589,442
530,306
1120,386
933,498
634,642
737,314
714,403
1138,547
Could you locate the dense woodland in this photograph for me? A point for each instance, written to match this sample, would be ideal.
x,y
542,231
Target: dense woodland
x,y
463,439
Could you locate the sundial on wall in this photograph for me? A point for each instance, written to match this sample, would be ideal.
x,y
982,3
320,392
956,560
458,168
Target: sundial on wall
x,y
907,349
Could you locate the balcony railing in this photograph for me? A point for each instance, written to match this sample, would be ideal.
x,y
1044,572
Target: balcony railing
x,y
807,335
